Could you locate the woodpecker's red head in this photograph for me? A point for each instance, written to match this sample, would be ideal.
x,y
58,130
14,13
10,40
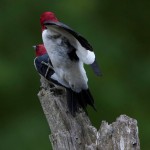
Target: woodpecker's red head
x,y
40,50
47,16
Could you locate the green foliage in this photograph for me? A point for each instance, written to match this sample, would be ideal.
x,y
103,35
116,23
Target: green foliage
x,y
119,32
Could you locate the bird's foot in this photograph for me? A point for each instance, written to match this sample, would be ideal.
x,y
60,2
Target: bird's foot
x,y
58,90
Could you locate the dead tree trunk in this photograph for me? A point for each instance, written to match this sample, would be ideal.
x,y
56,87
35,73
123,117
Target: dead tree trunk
x,y
77,133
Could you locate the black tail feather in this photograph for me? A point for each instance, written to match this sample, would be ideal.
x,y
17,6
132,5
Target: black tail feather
x,y
79,100
82,101
89,98
72,102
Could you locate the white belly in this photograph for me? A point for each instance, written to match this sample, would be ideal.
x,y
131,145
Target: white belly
x,y
68,71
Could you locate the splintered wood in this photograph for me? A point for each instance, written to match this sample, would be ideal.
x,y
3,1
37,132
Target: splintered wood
x,y
77,133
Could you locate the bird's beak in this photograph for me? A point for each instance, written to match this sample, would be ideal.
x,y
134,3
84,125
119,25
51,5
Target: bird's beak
x,y
34,47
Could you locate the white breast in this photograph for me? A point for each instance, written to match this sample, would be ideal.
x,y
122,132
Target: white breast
x,y
69,72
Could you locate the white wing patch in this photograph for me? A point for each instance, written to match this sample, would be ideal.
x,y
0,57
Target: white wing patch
x,y
86,56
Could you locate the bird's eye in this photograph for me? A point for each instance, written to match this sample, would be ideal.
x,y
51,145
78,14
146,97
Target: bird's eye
x,y
45,27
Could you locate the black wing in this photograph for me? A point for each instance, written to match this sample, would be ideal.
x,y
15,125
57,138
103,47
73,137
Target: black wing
x,y
80,38
42,65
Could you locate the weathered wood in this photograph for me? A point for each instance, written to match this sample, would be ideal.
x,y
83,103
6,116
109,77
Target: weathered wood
x,y
77,133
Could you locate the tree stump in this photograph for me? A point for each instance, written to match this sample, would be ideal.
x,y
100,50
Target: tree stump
x,y
77,133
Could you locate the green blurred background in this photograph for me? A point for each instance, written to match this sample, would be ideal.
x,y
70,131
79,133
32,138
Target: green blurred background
x,y
120,34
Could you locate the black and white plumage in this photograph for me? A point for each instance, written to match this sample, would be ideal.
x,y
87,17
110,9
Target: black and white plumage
x,y
68,51
75,100
81,46
67,56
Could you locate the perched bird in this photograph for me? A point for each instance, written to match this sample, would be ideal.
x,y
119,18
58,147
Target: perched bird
x,y
55,32
42,62
44,67
68,51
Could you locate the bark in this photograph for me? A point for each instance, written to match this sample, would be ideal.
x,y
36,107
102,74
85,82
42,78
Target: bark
x,y
77,133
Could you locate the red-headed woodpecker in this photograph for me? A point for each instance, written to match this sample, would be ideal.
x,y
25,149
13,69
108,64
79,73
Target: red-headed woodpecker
x,y
56,33
44,67
68,50
42,62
